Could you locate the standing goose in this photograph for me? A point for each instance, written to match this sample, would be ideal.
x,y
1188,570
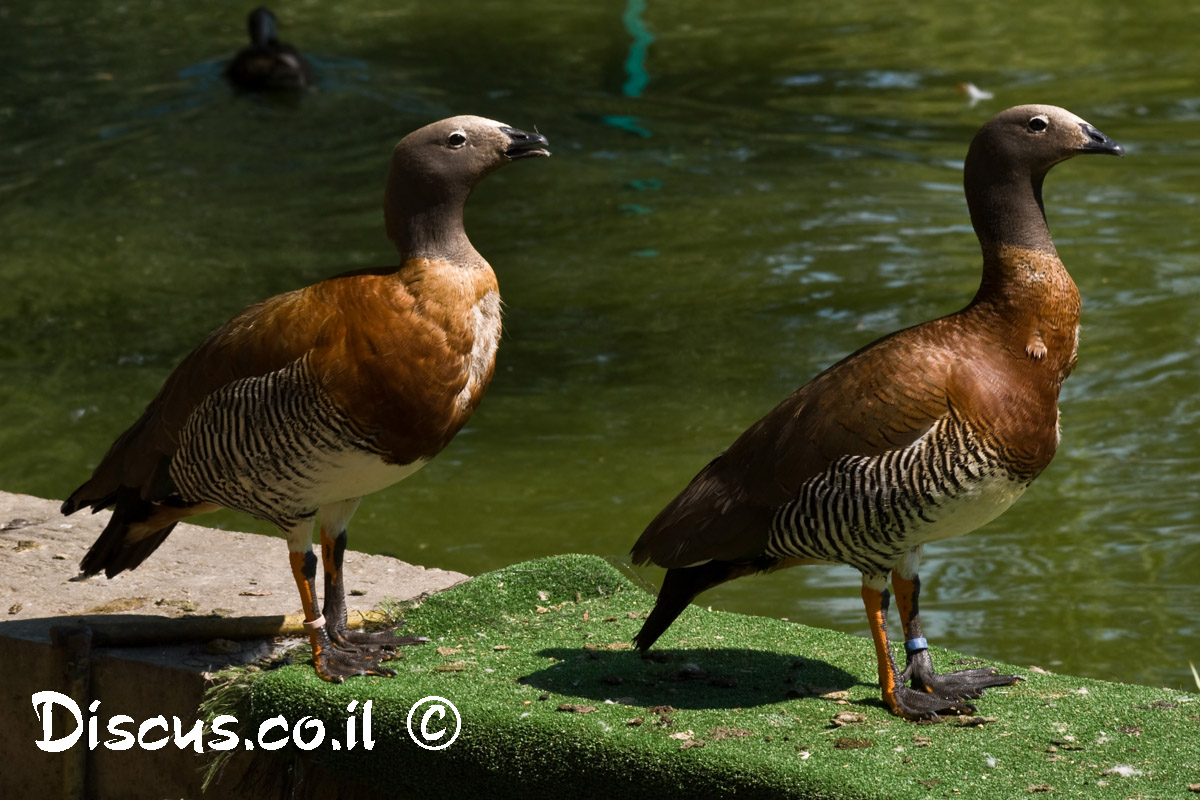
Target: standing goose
x,y
307,401
267,64
922,435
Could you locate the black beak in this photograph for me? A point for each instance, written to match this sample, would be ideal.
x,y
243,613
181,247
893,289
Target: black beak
x,y
523,144
1097,142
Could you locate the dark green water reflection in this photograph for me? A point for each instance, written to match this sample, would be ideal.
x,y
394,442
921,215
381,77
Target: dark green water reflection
x,y
739,195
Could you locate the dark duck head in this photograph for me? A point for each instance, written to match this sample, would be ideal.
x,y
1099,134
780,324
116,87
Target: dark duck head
x,y
1007,161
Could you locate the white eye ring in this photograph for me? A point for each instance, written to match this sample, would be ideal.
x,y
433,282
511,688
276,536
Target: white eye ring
x,y
1038,124
456,139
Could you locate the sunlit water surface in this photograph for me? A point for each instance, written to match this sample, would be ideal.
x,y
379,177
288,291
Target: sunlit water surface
x,y
740,194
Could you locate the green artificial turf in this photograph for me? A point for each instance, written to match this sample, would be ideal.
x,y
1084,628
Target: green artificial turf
x,y
555,703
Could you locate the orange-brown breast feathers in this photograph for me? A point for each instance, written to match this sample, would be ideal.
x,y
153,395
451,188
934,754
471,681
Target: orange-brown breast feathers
x,y
1026,316
404,372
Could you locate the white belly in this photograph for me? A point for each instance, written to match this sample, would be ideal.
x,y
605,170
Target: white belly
x,y
980,503
356,473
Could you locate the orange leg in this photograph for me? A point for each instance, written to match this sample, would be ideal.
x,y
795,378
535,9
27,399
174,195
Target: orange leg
x,y
304,571
876,603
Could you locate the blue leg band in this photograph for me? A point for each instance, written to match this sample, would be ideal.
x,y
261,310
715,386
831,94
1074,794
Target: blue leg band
x,y
916,645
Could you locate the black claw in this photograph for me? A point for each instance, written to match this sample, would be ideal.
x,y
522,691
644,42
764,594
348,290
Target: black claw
x,y
375,641
335,665
965,685
924,707
405,641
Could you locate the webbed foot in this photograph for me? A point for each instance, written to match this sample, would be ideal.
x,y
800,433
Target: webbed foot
x,y
917,706
384,640
335,664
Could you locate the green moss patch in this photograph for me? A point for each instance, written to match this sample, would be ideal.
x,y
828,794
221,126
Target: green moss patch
x,y
555,703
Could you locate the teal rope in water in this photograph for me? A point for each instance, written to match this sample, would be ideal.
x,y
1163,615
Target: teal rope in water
x,y
635,64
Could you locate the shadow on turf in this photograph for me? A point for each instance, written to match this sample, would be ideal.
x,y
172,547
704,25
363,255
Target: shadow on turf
x,y
725,678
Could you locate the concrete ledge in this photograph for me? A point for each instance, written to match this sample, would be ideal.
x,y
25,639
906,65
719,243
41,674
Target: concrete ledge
x,y
203,583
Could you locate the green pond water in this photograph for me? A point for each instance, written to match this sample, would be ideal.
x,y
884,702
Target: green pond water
x,y
740,194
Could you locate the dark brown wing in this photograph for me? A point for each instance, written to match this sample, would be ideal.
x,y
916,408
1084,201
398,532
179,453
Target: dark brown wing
x,y
259,340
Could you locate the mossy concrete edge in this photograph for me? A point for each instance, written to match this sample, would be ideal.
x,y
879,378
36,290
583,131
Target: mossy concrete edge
x,y
554,703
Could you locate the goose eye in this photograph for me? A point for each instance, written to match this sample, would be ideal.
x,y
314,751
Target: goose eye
x,y
456,140
1037,124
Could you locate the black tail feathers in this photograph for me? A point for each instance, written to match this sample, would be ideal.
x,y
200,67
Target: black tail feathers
x,y
680,586
125,542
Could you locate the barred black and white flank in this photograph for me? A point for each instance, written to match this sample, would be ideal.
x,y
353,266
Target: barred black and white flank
x,y
867,511
276,447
